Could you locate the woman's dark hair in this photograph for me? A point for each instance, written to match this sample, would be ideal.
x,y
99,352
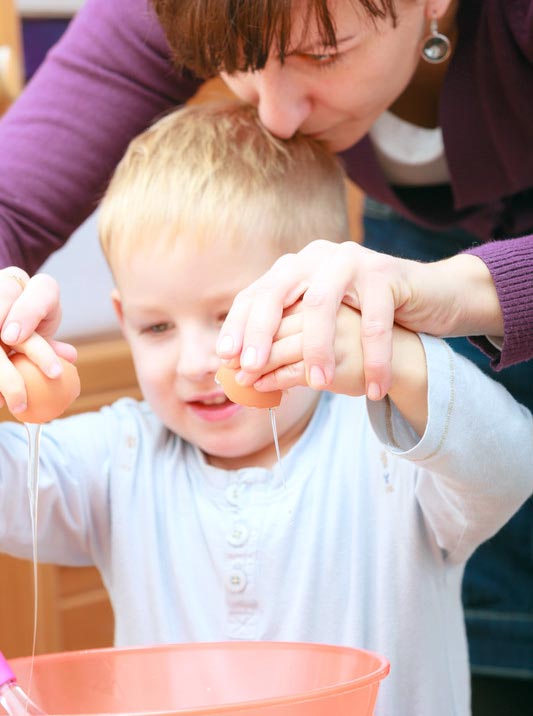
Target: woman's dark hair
x,y
208,36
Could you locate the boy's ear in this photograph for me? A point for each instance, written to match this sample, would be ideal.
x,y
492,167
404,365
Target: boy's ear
x,y
117,305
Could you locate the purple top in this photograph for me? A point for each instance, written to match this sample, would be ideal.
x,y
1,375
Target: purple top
x,y
110,76
6,675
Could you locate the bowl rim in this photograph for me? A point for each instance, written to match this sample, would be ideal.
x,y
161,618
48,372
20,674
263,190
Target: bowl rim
x,y
375,676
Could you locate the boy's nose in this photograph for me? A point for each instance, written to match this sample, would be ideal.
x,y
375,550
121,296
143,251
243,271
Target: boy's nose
x,y
282,102
197,358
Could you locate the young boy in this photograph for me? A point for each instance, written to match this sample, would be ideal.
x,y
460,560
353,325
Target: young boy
x,y
361,535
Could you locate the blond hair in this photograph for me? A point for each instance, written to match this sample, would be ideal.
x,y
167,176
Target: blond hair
x,y
213,173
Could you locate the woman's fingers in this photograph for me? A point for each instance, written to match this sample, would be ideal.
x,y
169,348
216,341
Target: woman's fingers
x,y
42,353
320,274
255,315
331,284
27,305
377,318
13,282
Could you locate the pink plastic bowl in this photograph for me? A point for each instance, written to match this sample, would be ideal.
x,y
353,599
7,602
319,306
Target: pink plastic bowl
x,y
244,678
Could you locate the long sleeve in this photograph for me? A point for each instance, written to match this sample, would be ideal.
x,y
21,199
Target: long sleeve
x,y
511,266
475,457
105,81
74,519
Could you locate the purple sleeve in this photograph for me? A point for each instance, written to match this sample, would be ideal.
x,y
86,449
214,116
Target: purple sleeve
x,y
107,79
510,263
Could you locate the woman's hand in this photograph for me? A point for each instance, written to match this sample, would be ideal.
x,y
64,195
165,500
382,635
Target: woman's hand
x,y
285,367
29,316
454,297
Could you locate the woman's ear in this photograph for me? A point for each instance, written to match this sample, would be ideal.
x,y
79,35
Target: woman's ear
x,y
437,9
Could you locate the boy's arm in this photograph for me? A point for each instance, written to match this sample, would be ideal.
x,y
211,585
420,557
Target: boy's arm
x,y
472,467
73,489
409,389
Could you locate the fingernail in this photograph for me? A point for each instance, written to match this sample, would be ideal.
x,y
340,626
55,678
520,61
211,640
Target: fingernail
x,y
20,408
373,392
249,357
11,332
225,345
317,378
54,370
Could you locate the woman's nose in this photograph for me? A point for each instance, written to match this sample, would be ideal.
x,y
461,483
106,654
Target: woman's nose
x,y
282,102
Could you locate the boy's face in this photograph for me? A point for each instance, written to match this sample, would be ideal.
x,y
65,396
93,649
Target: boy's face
x,y
171,308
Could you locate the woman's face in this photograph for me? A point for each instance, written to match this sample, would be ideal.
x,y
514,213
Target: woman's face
x,y
335,95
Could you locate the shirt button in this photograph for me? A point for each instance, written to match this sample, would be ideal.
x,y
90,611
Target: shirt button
x,y
233,494
236,580
238,535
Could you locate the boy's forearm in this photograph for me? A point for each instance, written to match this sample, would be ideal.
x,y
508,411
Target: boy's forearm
x,y
409,390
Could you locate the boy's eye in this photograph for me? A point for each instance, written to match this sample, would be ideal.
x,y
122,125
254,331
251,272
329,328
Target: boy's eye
x,y
157,328
221,317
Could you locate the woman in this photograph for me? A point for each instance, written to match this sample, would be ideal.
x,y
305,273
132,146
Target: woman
x,y
350,73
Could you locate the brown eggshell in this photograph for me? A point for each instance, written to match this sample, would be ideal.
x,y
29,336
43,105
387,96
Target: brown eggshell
x,y
47,397
248,396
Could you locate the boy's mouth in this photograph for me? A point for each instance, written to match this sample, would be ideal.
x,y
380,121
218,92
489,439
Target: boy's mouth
x,y
219,400
214,397
213,408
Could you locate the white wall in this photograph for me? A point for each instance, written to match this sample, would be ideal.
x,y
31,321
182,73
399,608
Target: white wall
x,y
85,282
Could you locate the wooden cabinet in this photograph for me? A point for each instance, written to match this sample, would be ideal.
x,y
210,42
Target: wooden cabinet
x,y
74,609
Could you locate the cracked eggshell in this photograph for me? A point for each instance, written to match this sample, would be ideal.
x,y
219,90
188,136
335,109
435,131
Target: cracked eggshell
x,y
47,397
248,396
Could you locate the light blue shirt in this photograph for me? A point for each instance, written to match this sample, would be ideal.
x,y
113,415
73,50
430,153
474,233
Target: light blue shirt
x,y
361,541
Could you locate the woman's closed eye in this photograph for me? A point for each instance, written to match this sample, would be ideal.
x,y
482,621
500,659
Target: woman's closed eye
x,y
329,55
321,58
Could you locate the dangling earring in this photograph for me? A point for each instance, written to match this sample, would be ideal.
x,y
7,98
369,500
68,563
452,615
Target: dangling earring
x,y
436,47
